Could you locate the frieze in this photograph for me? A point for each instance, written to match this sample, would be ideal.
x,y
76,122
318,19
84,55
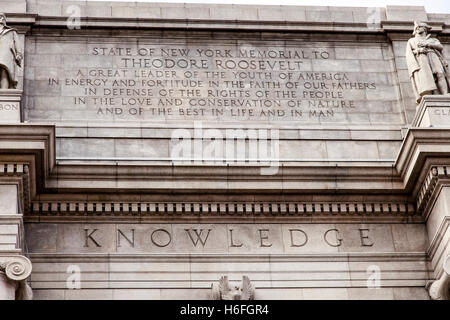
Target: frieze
x,y
205,237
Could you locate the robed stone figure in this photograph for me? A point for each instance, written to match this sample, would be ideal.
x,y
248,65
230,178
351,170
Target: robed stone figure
x,y
10,55
427,66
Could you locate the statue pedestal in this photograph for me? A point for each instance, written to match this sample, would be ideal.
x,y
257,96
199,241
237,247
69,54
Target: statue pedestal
x,y
10,111
433,111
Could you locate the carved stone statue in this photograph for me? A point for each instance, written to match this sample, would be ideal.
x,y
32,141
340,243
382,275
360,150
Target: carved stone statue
x,y
224,291
10,55
427,66
440,289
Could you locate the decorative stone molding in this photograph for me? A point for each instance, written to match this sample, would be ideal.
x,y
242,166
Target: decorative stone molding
x,y
440,289
34,143
432,112
16,268
222,208
21,21
224,291
212,24
429,185
75,178
27,158
20,172
406,27
8,168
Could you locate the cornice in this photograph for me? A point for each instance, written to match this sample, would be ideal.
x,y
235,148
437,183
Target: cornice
x,y
26,158
21,21
145,177
395,29
408,26
419,145
209,24
422,163
18,173
34,146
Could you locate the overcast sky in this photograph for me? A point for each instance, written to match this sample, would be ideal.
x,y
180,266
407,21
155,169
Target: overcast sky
x,y
432,6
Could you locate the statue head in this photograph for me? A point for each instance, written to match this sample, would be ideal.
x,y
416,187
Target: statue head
x,y
421,27
2,19
235,292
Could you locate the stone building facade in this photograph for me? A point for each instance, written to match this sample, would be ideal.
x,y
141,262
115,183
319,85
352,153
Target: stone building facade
x,y
150,149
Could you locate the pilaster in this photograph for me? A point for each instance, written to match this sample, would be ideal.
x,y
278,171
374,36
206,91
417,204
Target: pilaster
x,y
433,198
14,267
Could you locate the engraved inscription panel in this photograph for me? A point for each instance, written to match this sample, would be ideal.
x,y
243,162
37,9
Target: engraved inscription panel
x,y
9,111
227,81
210,238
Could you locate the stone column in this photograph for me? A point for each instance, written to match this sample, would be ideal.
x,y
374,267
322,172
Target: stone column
x,y
7,287
14,268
